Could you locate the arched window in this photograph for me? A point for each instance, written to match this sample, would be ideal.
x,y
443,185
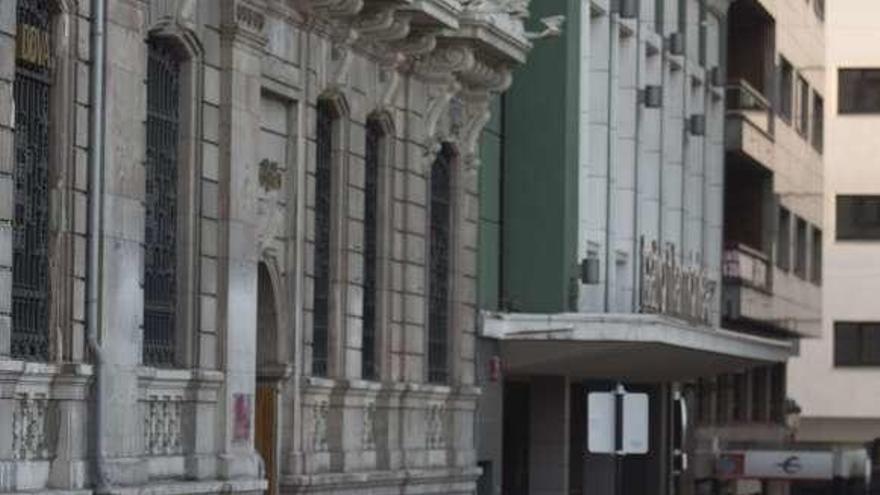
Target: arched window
x,y
440,263
160,223
323,201
374,136
30,240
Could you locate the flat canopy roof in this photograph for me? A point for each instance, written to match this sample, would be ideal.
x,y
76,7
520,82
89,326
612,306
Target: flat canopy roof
x,y
631,347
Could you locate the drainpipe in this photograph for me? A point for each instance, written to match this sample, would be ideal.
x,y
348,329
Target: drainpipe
x,y
636,260
96,193
613,40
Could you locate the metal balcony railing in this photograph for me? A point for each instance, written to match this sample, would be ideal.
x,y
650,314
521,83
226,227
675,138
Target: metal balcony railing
x,y
746,101
748,266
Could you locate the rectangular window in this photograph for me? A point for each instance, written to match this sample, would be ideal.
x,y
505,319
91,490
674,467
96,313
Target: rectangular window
x,y
858,217
321,269
160,220
30,230
777,392
440,264
856,344
816,273
786,88
783,240
818,139
858,91
740,397
800,248
374,136
803,109
760,394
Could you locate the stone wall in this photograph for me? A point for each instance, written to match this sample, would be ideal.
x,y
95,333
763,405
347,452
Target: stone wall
x,y
252,75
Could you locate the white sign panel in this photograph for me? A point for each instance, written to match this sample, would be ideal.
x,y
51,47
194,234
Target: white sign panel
x,y
602,423
789,464
635,423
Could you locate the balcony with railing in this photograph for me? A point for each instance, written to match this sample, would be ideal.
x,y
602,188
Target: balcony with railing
x,y
744,265
750,122
762,297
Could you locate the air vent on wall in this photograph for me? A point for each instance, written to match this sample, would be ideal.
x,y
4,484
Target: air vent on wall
x,y
651,96
714,77
697,124
627,9
590,270
675,43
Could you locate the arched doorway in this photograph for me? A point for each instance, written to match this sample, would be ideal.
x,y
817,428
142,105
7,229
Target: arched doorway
x,y
266,428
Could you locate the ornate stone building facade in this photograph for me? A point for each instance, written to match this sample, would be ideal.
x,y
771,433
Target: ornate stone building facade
x,y
286,245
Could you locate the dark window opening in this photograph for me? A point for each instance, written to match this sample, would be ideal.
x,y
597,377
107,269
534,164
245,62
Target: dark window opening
x,y
30,233
783,240
858,217
374,136
800,249
816,273
160,222
786,88
778,393
819,8
440,245
856,344
760,394
323,192
858,91
803,121
818,140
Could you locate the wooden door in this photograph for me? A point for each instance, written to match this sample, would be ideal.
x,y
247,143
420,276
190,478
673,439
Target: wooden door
x,y
264,434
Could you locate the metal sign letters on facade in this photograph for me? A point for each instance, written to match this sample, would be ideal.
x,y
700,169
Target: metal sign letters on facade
x,y
669,288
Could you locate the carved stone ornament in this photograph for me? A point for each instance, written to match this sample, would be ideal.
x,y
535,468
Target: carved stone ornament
x,y
368,438
320,411
270,175
507,14
436,431
29,440
250,18
162,426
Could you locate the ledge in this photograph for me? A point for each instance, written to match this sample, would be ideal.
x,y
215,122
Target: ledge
x,y
383,478
193,487
408,389
606,345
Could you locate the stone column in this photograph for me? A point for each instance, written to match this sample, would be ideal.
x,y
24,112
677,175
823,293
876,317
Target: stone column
x,y
241,47
122,240
7,161
549,435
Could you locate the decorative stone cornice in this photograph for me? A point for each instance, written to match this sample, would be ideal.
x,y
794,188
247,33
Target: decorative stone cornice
x,y
244,20
464,49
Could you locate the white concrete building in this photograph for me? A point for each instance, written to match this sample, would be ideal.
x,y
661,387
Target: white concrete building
x,y
613,222
238,245
834,379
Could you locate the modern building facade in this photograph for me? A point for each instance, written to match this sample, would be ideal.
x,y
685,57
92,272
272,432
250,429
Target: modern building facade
x,y
773,233
605,215
833,378
238,245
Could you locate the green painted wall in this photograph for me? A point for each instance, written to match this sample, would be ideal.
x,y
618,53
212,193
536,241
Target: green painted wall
x,y
539,213
490,210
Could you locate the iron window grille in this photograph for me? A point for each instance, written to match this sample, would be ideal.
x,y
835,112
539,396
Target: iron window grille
x,y
30,238
323,210
440,244
374,136
160,226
